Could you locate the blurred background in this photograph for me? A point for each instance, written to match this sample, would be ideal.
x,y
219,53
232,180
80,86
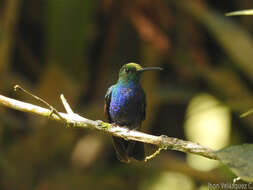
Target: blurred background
x,y
77,48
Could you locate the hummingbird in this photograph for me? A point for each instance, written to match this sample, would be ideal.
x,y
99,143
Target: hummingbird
x,y
125,105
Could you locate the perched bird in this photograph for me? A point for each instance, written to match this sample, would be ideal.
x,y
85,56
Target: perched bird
x,y
125,105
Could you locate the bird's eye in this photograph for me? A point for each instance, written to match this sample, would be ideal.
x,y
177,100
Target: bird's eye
x,y
127,70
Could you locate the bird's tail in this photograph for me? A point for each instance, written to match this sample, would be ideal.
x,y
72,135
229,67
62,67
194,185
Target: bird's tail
x,y
126,149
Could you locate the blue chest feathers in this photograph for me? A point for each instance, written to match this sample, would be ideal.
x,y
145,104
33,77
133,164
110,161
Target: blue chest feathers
x,y
127,105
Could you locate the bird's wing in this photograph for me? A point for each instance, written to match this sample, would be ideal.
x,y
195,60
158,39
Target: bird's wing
x,y
107,103
143,108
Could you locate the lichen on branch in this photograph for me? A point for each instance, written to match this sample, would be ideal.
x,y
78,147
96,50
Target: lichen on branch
x,y
72,119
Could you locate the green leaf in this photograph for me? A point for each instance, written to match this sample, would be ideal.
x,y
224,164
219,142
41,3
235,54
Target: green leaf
x,y
236,41
238,13
246,113
239,159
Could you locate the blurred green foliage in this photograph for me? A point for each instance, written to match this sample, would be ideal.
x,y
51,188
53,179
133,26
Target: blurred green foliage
x,y
77,47
242,165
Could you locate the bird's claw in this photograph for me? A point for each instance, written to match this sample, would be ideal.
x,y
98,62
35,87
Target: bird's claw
x,y
68,125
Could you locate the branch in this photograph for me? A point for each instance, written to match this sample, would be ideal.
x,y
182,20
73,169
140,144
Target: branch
x,y
74,120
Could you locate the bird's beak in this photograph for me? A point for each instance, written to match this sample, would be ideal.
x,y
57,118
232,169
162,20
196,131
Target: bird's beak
x,y
150,69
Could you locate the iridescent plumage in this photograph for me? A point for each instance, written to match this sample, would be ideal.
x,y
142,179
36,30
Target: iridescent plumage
x,y
125,105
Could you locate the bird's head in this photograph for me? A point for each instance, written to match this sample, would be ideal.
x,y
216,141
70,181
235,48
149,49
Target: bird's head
x,y
131,72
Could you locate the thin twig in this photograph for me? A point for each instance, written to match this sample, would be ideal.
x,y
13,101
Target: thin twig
x,y
53,110
155,154
75,120
66,105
